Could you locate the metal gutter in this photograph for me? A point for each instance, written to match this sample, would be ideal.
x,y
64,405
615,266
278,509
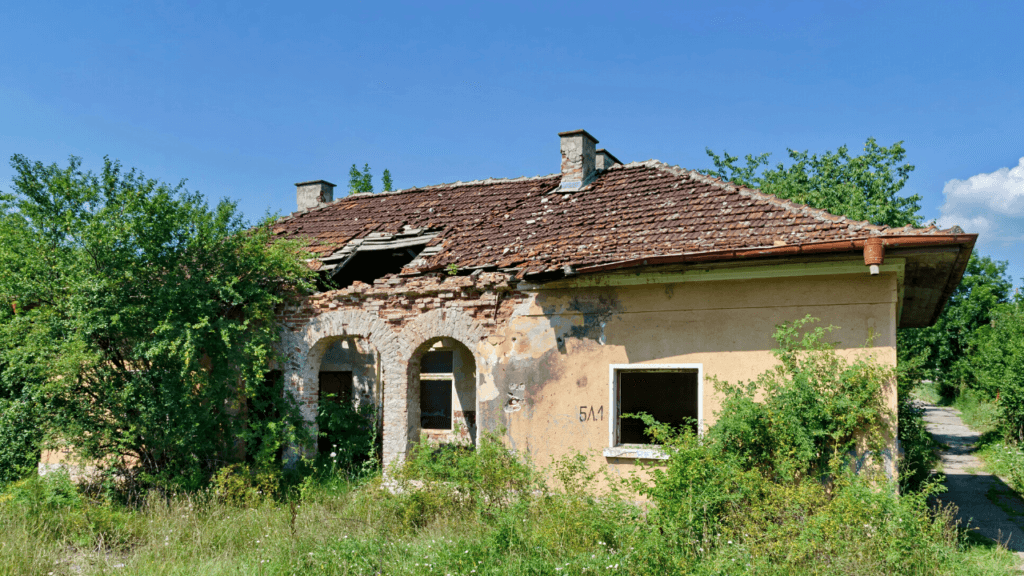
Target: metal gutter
x,y
787,250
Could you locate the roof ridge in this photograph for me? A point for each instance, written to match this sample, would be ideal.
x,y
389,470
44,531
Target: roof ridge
x,y
457,183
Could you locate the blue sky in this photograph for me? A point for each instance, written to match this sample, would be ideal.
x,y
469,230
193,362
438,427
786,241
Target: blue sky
x,y
245,99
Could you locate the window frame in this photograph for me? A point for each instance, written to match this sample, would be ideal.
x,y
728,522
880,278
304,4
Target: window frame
x,y
436,376
644,451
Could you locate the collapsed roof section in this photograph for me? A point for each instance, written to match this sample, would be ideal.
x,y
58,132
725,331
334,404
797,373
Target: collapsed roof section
x,y
625,216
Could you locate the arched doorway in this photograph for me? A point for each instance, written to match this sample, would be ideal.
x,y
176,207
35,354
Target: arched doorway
x,y
442,392
348,392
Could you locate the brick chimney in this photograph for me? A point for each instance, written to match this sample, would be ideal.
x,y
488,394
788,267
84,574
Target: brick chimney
x,y
313,194
578,159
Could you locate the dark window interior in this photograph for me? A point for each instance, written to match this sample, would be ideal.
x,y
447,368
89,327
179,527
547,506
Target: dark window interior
x,y
436,404
334,387
366,266
437,362
670,397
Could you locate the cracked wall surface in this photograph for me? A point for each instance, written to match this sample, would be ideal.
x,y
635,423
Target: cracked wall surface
x,y
542,355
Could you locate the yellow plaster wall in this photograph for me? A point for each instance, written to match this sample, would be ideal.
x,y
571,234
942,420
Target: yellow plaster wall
x,y
555,354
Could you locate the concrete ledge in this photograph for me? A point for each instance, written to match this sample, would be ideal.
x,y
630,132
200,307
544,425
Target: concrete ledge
x,y
648,453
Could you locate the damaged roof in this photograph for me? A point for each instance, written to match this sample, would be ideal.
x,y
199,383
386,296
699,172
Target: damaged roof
x,y
631,215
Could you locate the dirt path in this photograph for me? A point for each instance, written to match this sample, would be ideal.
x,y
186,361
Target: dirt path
x,y
986,503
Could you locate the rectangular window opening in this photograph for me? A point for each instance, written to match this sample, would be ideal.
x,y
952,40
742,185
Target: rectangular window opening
x,y
436,403
671,396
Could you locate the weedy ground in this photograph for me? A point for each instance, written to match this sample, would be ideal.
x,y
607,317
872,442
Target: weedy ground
x,y
479,512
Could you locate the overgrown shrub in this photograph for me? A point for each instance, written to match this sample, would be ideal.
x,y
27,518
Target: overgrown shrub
x,y
998,362
811,413
488,474
352,434
917,445
244,485
20,439
139,319
59,510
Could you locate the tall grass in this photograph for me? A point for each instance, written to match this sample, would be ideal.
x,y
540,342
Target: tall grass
x,y
550,521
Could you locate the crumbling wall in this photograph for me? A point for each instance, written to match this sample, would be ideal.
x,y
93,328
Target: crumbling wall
x,y
396,316
542,355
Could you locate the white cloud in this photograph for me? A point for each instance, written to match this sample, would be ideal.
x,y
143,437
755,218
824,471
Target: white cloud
x,y
991,205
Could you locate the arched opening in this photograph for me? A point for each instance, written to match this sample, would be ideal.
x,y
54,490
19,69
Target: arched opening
x,y
348,397
442,392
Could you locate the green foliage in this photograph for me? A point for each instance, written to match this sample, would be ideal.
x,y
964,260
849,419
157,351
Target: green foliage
x,y
1005,459
20,438
361,181
569,528
699,481
864,187
141,319
919,448
944,350
52,492
352,433
998,364
808,415
245,486
488,474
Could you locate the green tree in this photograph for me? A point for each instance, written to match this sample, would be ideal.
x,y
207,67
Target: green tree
x,y
139,321
864,187
360,181
998,364
943,351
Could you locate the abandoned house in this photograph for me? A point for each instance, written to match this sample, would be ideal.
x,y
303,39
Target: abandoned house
x,y
544,308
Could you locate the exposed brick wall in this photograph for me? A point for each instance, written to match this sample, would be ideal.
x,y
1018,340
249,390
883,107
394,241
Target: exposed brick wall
x,y
396,315
486,297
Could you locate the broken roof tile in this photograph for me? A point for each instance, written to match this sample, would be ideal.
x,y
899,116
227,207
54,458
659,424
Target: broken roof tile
x,y
633,211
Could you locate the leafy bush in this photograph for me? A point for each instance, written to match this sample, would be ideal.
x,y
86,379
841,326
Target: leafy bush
x,y
54,491
138,320
695,487
918,447
246,486
999,365
352,433
20,439
488,474
810,414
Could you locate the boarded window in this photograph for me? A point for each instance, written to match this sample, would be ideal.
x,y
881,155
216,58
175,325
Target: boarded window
x,y
669,396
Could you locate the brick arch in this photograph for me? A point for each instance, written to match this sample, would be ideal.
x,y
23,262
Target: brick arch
x,y
305,350
452,323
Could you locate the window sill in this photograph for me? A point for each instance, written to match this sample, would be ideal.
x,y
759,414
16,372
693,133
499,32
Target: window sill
x,y
636,452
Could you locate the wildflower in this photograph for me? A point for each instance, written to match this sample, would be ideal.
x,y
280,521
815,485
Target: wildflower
x,y
334,454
